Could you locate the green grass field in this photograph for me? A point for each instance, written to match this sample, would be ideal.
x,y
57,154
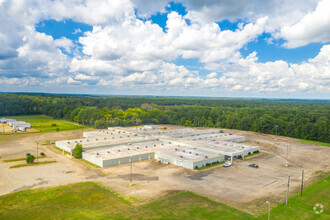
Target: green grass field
x,y
90,200
43,123
314,142
302,207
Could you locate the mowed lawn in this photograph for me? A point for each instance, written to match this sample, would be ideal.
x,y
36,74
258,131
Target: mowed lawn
x,y
44,123
90,200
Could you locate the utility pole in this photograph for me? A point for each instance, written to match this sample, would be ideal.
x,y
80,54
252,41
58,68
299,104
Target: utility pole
x,y
38,143
37,147
287,192
302,182
268,202
130,183
287,154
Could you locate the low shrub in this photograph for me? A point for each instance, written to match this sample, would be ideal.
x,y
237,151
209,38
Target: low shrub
x,y
30,159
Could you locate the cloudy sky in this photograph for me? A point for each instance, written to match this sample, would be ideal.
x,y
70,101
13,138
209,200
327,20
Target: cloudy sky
x,y
222,48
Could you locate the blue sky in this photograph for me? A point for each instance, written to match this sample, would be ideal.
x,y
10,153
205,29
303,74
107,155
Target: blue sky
x,y
129,47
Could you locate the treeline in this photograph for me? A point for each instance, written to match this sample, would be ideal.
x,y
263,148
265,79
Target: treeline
x,y
300,119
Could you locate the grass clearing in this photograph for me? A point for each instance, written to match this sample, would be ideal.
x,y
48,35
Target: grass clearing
x,y
302,207
21,159
76,201
92,200
44,123
314,142
32,164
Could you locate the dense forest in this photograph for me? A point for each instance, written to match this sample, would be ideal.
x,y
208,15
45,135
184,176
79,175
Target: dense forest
x,y
294,118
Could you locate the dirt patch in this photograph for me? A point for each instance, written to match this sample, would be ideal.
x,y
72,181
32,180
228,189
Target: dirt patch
x,y
136,177
167,193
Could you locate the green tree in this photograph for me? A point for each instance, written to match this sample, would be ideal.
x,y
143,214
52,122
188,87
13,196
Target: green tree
x,y
77,152
30,159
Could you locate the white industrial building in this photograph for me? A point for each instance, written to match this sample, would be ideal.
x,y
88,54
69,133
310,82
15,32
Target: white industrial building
x,y
189,148
17,125
188,157
6,120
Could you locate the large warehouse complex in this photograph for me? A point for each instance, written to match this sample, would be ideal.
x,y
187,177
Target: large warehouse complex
x,y
189,148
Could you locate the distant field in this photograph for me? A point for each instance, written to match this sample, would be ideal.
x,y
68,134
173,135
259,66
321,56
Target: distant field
x,y
44,123
314,142
91,200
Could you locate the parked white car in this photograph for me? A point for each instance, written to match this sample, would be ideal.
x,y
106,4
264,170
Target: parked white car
x,y
227,164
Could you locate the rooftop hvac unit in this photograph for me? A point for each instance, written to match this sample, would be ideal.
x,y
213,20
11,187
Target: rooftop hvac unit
x,y
75,141
121,137
175,149
180,156
128,149
118,150
146,146
96,139
206,157
105,138
190,152
137,148
128,136
113,137
169,142
154,145
68,142
196,154
97,154
108,152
